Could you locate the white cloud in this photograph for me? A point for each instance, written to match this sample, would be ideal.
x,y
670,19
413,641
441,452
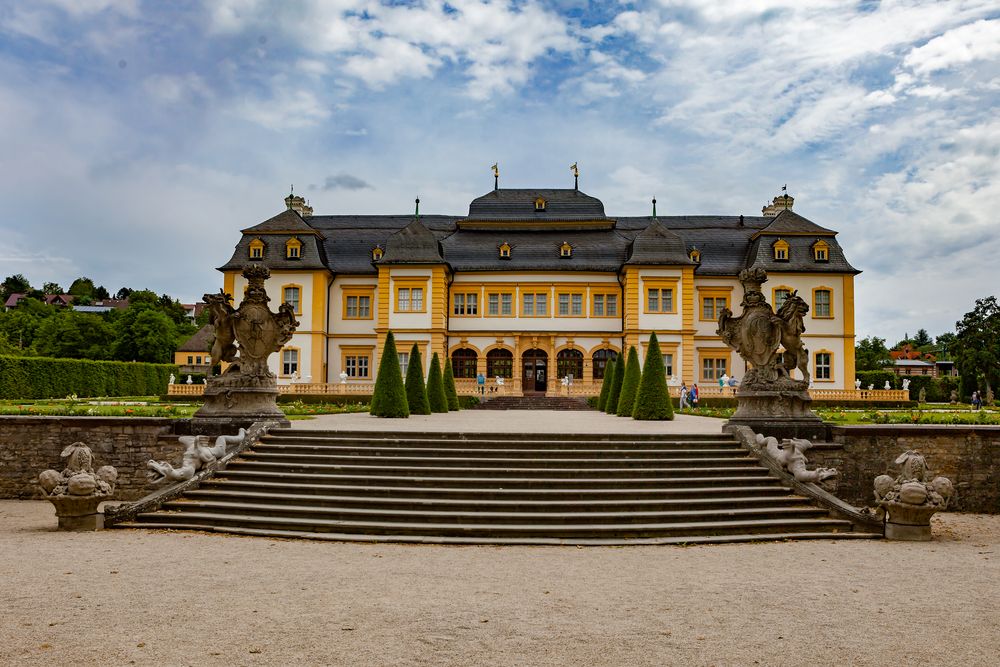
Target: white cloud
x,y
285,111
960,46
173,89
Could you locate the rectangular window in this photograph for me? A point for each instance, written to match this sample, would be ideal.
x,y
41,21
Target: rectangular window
x,y
410,300
712,306
291,297
190,360
660,300
823,366
577,304
289,362
506,304
529,305
541,304
417,299
466,303
198,360
359,307
564,304
571,304
821,303
668,363
713,368
779,297
604,305
493,304
403,300
404,361
356,365
598,309
612,305
653,300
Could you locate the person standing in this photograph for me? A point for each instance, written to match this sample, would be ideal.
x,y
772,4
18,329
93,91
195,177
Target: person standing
x,y
481,384
693,395
684,396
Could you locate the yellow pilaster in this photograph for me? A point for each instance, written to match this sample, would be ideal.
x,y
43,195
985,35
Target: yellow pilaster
x,y
849,333
229,283
689,373
320,291
382,328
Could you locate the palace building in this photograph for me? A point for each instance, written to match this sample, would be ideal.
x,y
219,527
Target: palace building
x,y
534,285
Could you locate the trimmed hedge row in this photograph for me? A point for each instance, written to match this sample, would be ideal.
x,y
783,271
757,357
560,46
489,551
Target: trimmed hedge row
x,y
43,377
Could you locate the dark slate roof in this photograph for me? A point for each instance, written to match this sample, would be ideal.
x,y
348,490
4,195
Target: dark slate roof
x,y
479,250
800,255
286,221
413,244
788,222
201,341
519,204
658,245
726,243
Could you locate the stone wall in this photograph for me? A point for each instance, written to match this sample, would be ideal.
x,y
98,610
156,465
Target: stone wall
x,y
968,455
29,445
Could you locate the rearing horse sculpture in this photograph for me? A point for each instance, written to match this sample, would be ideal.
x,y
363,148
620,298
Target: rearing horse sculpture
x,y
791,314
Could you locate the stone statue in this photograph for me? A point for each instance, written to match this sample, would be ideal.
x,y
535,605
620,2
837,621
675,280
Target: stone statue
x,y
189,380
78,490
911,498
857,383
954,397
790,455
906,384
887,385
768,392
172,378
244,338
990,398
922,396
343,377
871,387
196,454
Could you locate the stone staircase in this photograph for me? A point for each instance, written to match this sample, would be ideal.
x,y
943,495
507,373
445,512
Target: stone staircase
x,y
537,402
487,489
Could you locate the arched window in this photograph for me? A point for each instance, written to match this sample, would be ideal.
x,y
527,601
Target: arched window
x,y
601,359
570,362
500,362
463,363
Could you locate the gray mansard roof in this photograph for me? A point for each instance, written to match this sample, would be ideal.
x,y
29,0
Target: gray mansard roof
x,y
344,243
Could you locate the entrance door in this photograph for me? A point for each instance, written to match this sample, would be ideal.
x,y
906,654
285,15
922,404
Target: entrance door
x,y
534,376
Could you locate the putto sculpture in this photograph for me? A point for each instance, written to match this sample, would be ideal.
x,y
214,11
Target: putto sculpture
x,y
78,489
244,339
769,395
790,455
911,498
197,453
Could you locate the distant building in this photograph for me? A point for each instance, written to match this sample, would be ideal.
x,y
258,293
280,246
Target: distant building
x,y
60,300
923,367
193,355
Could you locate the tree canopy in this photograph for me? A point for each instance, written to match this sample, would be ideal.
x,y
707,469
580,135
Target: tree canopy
x,y
976,349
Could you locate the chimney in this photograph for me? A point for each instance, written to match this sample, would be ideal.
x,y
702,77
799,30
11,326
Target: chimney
x,y
299,205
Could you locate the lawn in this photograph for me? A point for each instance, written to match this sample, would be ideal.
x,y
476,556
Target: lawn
x,y
933,413
151,406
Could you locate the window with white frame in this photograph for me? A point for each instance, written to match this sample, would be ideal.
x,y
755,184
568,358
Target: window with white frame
x,y
289,362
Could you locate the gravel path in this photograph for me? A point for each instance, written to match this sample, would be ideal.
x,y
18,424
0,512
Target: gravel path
x,y
161,598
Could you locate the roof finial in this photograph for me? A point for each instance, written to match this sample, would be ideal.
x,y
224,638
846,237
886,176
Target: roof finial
x,y
576,176
292,188
496,176
416,211
654,208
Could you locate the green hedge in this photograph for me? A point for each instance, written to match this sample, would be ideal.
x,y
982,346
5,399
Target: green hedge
x,y
42,377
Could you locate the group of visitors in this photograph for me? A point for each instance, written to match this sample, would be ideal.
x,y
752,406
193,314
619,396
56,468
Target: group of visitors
x,y
977,401
689,397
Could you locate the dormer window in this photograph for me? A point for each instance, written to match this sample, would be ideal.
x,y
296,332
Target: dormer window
x,y
565,250
293,248
505,250
256,249
780,248
695,255
377,253
539,204
821,251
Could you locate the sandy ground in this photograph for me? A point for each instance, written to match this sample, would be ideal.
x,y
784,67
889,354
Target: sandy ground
x,y
161,598
514,421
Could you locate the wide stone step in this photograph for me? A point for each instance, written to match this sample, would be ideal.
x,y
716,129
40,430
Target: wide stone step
x,y
487,504
402,436
498,461
493,443
746,488
484,516
499,529
283,452
490,480
534,469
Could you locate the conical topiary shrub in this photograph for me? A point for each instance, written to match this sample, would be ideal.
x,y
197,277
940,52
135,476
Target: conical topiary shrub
x,y
616,386
416,392
435,387
449,385
652,402
630,384
389,397
609,373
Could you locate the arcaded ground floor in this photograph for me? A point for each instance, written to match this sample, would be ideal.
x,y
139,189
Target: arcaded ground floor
x,y
161,598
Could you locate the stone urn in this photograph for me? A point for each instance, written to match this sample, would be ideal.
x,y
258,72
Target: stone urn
x,y
910,499
78,490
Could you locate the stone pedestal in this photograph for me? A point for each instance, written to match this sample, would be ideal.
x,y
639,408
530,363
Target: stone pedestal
x,y
908,522
229,408
78,513
907,532
778,413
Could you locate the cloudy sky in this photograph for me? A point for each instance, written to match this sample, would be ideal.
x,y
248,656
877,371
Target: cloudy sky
x,y
138,138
